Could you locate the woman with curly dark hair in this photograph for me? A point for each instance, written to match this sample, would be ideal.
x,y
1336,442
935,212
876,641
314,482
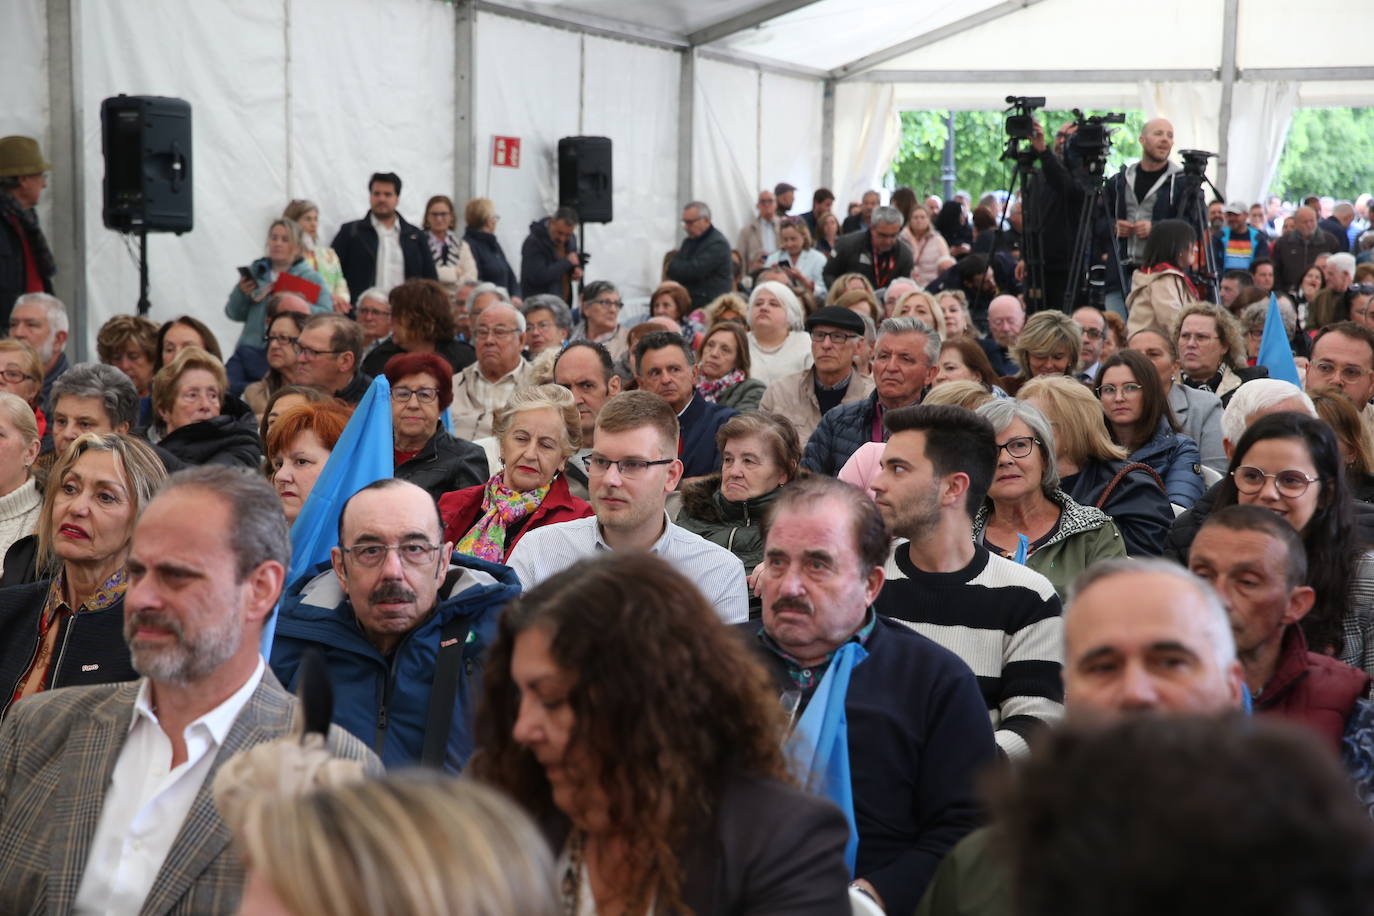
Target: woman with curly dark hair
x,y
649,745
421,322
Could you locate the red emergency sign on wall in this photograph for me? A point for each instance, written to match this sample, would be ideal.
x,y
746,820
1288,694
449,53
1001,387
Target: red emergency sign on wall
x,y
505,152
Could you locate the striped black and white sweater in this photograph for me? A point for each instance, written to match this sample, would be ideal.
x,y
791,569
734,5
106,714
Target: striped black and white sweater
x,y
1002,619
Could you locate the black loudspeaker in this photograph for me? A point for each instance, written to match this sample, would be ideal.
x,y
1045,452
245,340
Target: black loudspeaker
x,y
146,140
584,177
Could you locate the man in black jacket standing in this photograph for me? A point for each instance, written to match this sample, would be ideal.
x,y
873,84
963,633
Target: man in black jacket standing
x,y
873,252
26,261
549,261
702,262
382,249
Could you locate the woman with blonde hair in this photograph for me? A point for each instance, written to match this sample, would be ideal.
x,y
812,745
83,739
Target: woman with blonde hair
x,y
954,311
1352,436
267,275
959,393
536,432
321,258
725,307
318,838
844,283
20,498
1047,345
21,374
480,234
922,305
1093,469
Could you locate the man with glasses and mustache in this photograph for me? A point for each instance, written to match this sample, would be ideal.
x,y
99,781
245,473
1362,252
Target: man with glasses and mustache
x,y
106,790
631,470
402,622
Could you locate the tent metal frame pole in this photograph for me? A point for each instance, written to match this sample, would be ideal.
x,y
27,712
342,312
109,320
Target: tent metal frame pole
x,y
854,67
464,99
744,21
1016,77
686,121
65,150
1228,85
828,134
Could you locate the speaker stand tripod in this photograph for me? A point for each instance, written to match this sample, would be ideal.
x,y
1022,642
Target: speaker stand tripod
x,y
143,304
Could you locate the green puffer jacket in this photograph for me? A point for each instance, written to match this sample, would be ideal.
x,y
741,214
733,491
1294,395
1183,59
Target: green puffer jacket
x,y
742,396
735,526
1085,535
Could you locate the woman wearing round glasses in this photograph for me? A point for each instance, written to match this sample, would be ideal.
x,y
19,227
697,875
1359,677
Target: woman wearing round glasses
x,y
1290,463
282,359
537,430
1027,516
1140,421
426,455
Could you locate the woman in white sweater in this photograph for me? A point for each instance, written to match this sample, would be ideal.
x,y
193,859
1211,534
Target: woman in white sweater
x,y
20,499
777,344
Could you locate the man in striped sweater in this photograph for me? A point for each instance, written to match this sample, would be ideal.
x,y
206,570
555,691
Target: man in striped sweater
x,y
1001,618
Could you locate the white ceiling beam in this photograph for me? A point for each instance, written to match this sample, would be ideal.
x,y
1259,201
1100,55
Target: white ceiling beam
x,y
992,13
746,20
586,23
1031,76
766,64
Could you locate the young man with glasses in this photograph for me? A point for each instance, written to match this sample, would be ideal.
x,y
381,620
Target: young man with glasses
x,y
804,397
402,622
498,333
631,470
328,352
1343,358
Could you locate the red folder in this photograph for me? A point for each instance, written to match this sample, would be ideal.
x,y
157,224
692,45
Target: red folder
x,y
290,283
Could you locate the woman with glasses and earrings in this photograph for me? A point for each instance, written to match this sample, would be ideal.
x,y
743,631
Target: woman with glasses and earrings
x,y
426,455
723,369
1138,415
259,280
1291,464
282,359
298,446
197,419
21,374
537,430
480,235
601,305
421,322
1027,517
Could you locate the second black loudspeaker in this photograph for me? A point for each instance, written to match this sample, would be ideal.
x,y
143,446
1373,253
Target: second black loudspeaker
x,y
147,145
584,177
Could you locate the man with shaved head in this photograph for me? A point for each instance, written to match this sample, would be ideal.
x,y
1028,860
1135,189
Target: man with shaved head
x,y
1297,249
1140,196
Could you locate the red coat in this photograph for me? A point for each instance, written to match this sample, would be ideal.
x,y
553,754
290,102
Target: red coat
x,y
462,509
1316,690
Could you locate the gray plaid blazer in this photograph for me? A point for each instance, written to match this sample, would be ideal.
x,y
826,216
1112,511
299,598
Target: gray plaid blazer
x,y
57,755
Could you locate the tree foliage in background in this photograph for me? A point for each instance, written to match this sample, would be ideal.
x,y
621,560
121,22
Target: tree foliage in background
x,y
979,139
1329,151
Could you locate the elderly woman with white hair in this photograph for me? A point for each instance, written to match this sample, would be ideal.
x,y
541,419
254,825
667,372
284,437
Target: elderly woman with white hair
x,y
1027,517
20,498
777,344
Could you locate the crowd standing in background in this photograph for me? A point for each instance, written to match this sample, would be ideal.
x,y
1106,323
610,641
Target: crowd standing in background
x,y
725,604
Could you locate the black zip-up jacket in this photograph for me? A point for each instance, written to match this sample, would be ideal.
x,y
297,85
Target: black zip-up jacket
x,y
356,246
90,647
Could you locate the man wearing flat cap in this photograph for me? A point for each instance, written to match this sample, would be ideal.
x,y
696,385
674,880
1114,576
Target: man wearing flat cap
x,y
26,261
804,397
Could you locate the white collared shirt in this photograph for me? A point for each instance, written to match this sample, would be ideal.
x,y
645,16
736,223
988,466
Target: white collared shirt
x,y
391,264
719,574
147,801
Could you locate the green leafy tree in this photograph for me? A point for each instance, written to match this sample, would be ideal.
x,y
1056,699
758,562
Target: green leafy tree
x,y
979,140
1329,151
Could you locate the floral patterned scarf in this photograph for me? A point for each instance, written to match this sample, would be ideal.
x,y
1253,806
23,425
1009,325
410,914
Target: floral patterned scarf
x,y
501,508
710,389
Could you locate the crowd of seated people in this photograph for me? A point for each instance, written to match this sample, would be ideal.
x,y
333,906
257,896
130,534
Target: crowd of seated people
x,y
626,576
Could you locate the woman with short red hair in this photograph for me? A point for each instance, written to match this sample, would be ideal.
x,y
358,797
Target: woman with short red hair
x,y
425,453
298,446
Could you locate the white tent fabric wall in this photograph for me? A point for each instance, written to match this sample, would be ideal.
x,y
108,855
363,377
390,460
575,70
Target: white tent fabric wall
x,y
1192,109
1261,113
24,90
726,143
789,131
868,130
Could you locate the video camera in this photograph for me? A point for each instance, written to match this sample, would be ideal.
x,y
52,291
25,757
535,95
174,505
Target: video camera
x,y
1021,125
1195,162
1092,139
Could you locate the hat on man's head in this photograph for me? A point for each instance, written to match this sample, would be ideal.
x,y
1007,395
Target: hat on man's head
x,y
835,316
21,156
783,187
1236,207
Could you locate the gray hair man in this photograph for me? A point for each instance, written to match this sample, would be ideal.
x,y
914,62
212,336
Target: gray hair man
x,y
206,566
702,262
875,253
40,320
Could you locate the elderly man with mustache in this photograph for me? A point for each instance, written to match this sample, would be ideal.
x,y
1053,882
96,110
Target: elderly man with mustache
x,y
402,622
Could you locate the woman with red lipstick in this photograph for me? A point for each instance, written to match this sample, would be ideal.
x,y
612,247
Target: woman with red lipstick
x,y
634,726
67,627
537,430
298,445
425,453
1138,415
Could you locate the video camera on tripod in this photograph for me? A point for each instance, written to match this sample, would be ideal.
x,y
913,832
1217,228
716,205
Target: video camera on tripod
x,y
1086,155
1020,123
1092,140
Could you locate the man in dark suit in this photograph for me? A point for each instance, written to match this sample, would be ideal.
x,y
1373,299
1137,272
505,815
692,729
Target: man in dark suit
x,y
702,262
382,249
105,791
873,252
663,361
918,730
864,218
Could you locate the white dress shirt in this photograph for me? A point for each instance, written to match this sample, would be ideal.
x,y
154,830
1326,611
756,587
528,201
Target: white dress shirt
x,y
147,801
391,264
719,574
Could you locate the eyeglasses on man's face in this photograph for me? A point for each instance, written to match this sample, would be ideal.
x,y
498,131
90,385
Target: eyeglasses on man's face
x,y
412,553
629,468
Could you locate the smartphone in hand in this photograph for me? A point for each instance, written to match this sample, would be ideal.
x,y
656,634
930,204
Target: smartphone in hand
x,y
245,273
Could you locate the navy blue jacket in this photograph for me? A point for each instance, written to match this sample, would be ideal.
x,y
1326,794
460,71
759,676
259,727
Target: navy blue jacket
x,y
919,739
245,366
842,430
699,422
1139,507
1259,246
383,700
492,266
356,246
703,265
90,647
1177,461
